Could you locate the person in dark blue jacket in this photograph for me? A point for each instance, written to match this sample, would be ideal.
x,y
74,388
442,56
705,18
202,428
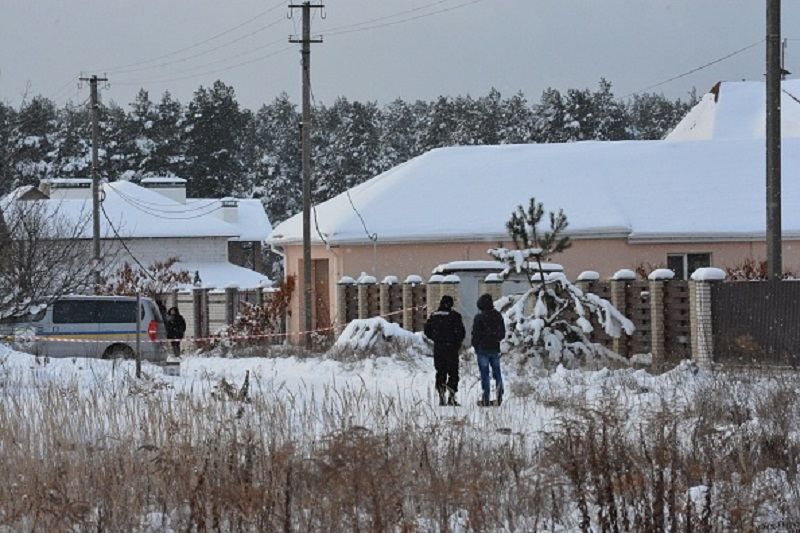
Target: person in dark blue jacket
x,y
446,329
488,329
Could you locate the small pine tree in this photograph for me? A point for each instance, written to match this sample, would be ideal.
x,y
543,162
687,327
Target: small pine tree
x,y
553,318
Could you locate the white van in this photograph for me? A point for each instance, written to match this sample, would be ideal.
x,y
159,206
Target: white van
x,y
98,326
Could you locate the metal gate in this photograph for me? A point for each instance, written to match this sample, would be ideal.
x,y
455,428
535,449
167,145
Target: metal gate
x,y
756,322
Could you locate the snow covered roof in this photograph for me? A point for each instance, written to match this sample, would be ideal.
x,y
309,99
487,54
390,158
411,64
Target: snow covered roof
x,y
737,110
139,212
643,190
221,274
164,179
251,221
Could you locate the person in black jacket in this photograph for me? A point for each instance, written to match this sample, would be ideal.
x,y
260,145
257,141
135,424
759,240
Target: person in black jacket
x,y
176,328
446,329
488,329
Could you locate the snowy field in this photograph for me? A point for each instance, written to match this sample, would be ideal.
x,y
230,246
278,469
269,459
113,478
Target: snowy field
x,y
313,443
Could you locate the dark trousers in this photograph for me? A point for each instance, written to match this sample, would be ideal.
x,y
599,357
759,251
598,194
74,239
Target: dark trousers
x,y
176,347
445,361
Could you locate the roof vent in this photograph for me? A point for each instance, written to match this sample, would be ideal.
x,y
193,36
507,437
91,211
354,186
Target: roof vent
x,y
172,187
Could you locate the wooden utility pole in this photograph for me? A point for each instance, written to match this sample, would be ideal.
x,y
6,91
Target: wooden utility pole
x,y
95,179
305,131
773,135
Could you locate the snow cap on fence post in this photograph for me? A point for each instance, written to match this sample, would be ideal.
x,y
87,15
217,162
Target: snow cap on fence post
x,y
708,274
366,279
414,279
624,274
588,275
661,274
346,280
385,298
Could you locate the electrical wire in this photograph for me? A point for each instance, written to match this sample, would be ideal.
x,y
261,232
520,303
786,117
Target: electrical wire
x,y
179,210
387,17
200,74
697,69
161,215
409,19
204,52
122,242
197,44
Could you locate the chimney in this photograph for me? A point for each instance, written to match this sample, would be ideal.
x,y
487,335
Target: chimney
x,y
172,187
67,188
230,209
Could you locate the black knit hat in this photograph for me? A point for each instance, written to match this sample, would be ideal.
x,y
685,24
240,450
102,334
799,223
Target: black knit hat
x,y
446,303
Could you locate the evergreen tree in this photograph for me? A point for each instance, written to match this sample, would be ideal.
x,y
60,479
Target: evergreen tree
x,y
276,164
31,142
141,123
168,155
214,126
8,118
516,121
72,143
549,118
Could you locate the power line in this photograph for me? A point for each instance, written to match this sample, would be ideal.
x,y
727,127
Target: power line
x,y
409,19
386,17
697,69
200,43
122,242
161,215
204,52
216,71
147,205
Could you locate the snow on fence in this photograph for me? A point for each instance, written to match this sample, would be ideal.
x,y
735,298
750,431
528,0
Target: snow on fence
x,y
658,307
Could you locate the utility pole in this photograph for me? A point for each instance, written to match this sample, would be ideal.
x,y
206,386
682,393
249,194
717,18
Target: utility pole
x,y
95,179
305,131
773,135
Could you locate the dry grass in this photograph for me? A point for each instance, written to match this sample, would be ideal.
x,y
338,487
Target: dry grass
x,y
128,456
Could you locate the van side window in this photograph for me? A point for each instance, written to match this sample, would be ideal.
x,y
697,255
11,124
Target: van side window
x,y
111,312
74,312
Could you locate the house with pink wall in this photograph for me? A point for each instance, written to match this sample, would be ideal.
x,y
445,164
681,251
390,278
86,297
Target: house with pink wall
x,y
696,198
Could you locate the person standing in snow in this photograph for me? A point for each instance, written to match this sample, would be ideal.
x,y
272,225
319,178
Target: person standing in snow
x,y
176,328
488,329
446,329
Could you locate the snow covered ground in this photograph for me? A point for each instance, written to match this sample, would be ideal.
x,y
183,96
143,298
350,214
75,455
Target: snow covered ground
x,y
321,408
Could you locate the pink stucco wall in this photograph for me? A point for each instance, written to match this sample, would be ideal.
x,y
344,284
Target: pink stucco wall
x,y
603,255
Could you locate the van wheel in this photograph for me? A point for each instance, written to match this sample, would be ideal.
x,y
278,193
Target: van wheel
x,y
119,351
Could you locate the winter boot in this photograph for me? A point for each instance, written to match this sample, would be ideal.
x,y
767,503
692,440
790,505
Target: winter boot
x,y
500,397
451,400
442,400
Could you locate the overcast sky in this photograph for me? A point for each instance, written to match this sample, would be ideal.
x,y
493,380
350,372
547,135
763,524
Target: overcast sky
x,y
513,45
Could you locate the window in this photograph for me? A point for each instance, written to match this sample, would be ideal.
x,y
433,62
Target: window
x,y
74,312
116,312
684,264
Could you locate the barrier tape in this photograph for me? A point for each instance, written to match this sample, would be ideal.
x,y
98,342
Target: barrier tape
x,y
49,338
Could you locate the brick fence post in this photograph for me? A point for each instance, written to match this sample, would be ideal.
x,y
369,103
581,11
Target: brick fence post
x,y
700,315
619,284
200,312
586,280
364,284
658,341
385,297
434,292
492,285
451,287
408,300
341,300
231,303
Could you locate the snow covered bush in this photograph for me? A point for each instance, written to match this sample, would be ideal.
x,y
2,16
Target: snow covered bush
x,y
554,318
378,337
